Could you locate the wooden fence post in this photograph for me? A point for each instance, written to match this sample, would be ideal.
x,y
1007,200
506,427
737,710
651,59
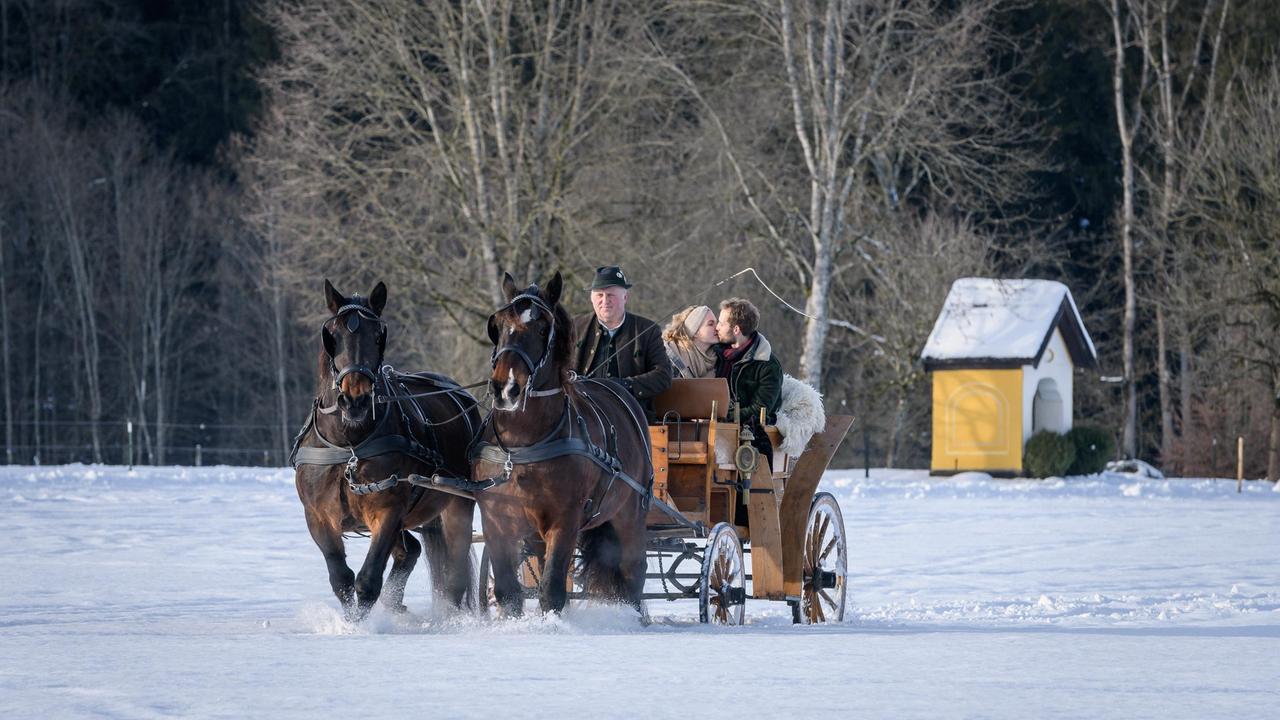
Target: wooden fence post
x,y
1240,464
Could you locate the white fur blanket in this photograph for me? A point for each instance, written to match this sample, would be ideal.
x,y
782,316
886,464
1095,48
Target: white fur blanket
x,y
800,416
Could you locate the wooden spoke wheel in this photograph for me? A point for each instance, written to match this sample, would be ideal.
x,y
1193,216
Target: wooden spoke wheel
x,y
722,588
825,562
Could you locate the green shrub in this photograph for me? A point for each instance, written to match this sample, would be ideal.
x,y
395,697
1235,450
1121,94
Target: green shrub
x,y
1048,454
1094,447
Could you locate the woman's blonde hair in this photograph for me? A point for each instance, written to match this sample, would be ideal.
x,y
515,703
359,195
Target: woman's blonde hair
x,y
676,332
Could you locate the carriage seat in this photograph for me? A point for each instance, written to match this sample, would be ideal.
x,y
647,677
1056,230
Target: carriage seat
x,y
691,399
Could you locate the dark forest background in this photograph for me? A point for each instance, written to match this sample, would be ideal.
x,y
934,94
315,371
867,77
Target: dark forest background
x,y
177,179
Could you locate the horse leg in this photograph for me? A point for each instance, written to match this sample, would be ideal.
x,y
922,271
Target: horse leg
x,y
404,557
329,539
503,559
634,568
456,582
561,541
369,580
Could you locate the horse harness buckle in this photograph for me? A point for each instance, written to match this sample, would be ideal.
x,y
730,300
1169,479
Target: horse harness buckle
x,y
350,471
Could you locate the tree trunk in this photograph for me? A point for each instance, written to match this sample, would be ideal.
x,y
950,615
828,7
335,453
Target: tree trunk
x,y
4,333
815,328
821,132
162,414
895,431
1165,383
36,359
1185,421
1273,446
279,325
1129,442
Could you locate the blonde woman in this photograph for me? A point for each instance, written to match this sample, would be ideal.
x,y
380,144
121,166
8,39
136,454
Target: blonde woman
x,y
688,340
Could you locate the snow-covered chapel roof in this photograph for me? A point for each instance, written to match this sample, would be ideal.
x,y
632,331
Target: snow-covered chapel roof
x,y
995,323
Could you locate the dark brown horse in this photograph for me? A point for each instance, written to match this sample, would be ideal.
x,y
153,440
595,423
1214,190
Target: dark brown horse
x,y
364,431
568,458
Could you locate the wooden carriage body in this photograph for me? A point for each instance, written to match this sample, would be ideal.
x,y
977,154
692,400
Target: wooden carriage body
x,y
696,473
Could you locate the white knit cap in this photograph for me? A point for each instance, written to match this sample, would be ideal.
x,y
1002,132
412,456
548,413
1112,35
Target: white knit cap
x,y
695,318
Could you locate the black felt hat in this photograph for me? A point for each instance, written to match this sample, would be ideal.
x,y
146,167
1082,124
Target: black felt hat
x,y
609,276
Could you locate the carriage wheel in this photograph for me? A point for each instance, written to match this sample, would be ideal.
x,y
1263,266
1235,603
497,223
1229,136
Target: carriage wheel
x,y
825,562
722,589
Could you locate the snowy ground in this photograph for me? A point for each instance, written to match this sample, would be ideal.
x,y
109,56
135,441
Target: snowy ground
x,y
185,592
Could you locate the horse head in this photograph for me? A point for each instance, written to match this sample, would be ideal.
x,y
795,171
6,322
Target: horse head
x,y
355,338
531,338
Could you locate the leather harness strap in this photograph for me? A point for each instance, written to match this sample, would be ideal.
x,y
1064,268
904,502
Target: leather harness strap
x,y
576,443
379,443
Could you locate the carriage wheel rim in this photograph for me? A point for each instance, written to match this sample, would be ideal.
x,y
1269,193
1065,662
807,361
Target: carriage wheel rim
x,y
723,572
824,553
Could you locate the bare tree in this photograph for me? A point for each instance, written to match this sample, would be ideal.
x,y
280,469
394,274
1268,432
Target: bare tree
x,y
1185,95
70,187
908,269
1238,193
4,348
890,102
1129,120
448,134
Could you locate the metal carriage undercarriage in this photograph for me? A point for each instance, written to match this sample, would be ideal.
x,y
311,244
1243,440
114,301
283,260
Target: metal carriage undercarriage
x,y
713,509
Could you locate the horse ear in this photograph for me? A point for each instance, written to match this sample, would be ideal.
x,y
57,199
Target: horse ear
x,y
378,298
509,288
552,294
330,345
333,297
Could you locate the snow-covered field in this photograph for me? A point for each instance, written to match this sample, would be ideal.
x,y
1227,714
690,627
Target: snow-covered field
x,y
197,592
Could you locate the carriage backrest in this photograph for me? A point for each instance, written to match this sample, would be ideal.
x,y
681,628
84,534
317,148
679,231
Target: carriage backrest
x,y
691,398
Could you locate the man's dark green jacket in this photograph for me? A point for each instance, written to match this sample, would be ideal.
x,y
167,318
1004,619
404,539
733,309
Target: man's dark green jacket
x,y
755,380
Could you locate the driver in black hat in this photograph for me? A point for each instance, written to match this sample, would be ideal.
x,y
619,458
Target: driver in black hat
x,y
613,343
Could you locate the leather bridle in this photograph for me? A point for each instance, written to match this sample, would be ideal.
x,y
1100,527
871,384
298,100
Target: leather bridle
x,y
534,367
354,312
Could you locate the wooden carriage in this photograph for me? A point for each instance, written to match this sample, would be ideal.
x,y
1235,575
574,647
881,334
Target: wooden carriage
x,y
793,535
712,508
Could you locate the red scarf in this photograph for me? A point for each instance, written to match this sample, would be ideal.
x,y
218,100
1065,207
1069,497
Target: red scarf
x,y
730,355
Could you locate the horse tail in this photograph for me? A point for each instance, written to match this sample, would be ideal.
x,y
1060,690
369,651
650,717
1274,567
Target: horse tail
x,y
435,547
601,551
